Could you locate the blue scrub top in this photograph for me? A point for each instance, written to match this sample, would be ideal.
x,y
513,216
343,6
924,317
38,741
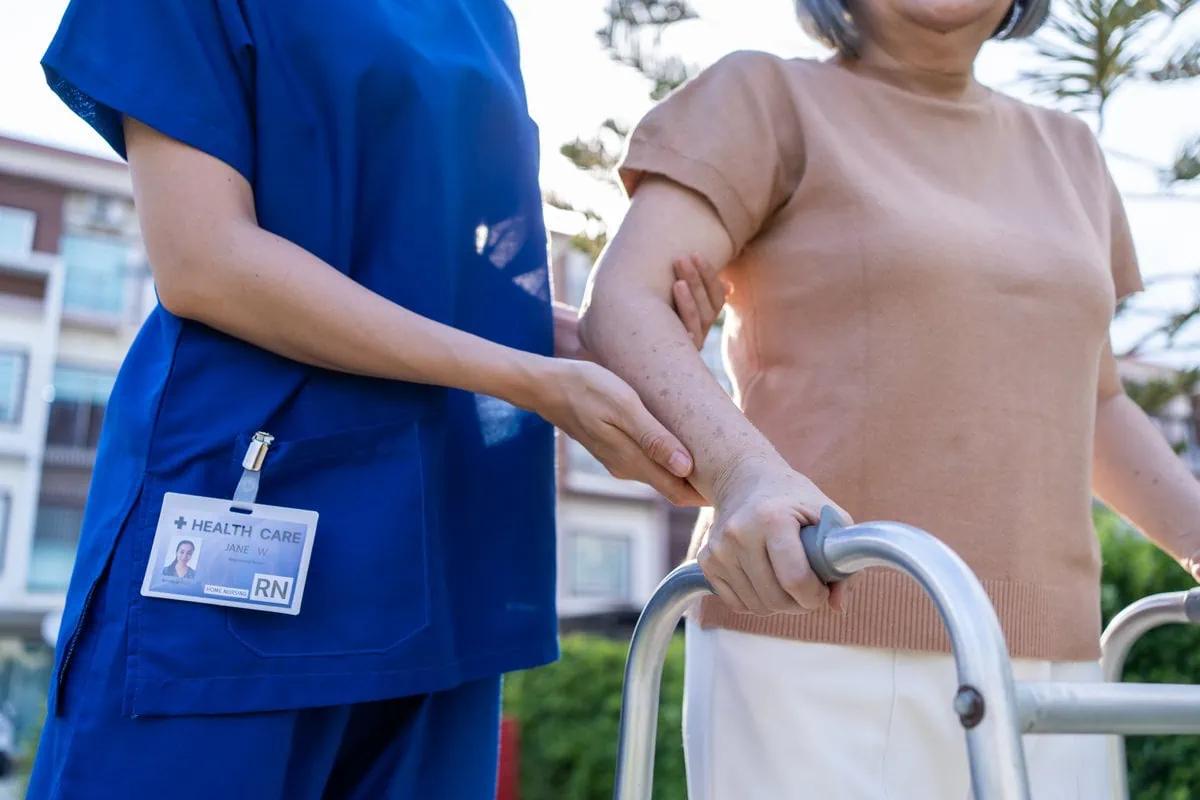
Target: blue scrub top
x,y
390,138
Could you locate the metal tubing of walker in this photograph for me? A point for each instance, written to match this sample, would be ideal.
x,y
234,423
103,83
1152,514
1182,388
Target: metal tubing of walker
x,y
1137,709
985,702
1120,635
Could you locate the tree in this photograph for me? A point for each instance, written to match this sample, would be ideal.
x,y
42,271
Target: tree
x,y
1095,48
632,36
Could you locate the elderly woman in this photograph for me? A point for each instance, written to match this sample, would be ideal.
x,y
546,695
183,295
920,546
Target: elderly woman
x,y
923,273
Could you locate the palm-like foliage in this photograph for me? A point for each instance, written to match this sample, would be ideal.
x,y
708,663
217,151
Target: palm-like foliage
x,y
598,156
1187,162
632,36
1094,48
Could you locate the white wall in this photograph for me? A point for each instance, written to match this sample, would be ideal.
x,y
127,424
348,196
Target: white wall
x,y
31,326
643,523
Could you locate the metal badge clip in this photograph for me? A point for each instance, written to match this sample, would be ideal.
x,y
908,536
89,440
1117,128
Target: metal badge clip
x,y
252,463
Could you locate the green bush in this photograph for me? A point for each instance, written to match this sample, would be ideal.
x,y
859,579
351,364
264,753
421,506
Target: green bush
x,y
569,714
1166,767
569,710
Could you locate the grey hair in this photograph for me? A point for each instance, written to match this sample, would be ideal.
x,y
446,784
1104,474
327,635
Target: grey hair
x,y
831,22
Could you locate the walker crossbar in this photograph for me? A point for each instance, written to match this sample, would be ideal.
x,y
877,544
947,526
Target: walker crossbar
x,y
1125,629
994,711
1137,709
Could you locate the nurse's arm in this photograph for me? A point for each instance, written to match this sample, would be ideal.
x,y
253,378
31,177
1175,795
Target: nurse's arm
x,y
1137,474
214,264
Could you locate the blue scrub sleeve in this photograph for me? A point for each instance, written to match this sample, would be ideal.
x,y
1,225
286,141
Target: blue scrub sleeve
x,y
182,67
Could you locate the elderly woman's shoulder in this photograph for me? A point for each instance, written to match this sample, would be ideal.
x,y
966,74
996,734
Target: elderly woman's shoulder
x,y
1063,127
1067,135
756,66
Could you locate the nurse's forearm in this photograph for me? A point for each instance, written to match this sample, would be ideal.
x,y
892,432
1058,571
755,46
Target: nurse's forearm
x,y
267,291
213,263
629,324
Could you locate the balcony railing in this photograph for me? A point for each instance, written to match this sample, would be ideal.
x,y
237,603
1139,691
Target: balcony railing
x,y
59,455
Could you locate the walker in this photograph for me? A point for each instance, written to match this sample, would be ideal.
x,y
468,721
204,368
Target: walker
x,y
995,711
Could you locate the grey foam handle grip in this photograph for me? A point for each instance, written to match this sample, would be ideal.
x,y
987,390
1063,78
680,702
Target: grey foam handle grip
x,y
813,538
1191,606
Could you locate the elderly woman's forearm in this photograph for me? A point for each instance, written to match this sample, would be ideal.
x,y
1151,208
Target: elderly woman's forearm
x,y
640,338
1137,473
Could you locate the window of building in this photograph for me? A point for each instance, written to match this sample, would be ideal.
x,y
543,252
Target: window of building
x,y
580,459
97,270
55,540
77,411
577,267
714,360
17,226
600,565
5,514
13,366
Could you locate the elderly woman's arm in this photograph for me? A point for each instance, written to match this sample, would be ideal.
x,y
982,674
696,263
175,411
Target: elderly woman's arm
x,y
1137,473
699,297
753,555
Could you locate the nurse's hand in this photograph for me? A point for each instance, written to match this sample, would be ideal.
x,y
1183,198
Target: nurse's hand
x,y
604,414
698,294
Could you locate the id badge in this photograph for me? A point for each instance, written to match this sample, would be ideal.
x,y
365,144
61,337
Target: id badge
x,y
235,552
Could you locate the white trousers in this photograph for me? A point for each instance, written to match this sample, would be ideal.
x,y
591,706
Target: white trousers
x,y
771,719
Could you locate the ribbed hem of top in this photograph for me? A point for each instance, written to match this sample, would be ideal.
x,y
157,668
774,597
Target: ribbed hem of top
x,y
889,610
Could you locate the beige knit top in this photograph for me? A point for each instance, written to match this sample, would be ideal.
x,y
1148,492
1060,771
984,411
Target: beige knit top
x,y
921,299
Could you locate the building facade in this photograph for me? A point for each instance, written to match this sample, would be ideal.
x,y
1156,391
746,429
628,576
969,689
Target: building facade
x,y
74,289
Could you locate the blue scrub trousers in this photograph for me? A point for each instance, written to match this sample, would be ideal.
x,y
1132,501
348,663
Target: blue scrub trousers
x,y
440,746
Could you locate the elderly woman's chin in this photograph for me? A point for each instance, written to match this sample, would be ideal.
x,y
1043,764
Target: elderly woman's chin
x,y
948,16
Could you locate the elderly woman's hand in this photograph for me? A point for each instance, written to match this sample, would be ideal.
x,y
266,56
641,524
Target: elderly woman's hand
x,y
752,554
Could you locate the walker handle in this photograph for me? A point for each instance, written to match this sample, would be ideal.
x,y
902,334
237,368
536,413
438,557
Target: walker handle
x,y
813,538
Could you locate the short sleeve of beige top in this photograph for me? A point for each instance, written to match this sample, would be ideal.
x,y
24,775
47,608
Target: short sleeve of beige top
x,y
922,295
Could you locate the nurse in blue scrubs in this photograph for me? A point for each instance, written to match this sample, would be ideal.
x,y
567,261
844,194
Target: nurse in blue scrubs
x,y
341,210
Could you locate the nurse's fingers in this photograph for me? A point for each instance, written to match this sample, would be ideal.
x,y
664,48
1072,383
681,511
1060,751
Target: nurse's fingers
x,y
688,271
652,438
716,288
689,315
628,461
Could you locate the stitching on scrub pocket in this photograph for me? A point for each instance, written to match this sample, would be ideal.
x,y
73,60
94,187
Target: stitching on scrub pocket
x,y
367,586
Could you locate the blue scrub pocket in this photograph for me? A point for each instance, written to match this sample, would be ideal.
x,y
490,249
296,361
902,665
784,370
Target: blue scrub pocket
x,y
367,588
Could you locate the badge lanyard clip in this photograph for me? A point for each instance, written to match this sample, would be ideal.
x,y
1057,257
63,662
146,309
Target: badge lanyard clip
x,y
252,463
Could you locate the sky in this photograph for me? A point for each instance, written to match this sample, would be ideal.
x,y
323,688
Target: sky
x,y
573,87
